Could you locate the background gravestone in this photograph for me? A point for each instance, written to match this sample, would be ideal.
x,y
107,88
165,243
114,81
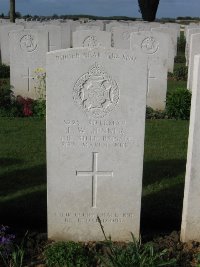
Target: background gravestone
x,y
154,45
5,40
28,50
95,141
90,38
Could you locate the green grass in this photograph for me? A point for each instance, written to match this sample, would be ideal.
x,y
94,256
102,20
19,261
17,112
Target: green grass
x,y
172,85
163,175
23,173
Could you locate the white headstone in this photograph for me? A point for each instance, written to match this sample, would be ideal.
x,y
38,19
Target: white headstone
x,y
190,228
54,36
90,38
154,45
188,41
95,139
121,36
4,37
65,35
28,50
194,50
172,47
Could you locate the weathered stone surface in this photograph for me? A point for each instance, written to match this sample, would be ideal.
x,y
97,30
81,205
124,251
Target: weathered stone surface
x,y
194,50
190,229
96,101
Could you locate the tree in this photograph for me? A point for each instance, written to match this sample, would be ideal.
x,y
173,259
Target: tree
x,y
12,11
148,9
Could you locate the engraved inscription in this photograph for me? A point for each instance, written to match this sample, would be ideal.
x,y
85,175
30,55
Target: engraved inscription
x,y
91,41
100,133
149,45
28,43
89,217
95,174
96,92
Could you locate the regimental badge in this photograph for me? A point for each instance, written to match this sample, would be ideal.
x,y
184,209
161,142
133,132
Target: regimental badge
x,y
28,43
96,92
149,45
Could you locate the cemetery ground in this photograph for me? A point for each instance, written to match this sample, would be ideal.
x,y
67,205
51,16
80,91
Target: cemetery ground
x,y
23,203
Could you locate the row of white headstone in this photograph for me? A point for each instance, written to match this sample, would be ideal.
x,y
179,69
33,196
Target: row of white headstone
x,y
28,49
96,102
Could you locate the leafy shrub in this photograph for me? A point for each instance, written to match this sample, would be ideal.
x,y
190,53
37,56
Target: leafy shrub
x,y
6,95
178,104
39,108
69,254
4,71
180,59
180,73
181,43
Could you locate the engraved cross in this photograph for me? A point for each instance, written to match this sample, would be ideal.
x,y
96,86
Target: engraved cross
x,y
148,78
94,173
28,77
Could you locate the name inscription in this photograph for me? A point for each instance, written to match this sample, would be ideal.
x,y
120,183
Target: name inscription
x,y
99,133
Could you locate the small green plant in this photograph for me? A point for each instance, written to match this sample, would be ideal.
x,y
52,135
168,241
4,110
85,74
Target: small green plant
x,y
39,108
11,254
180,73
178,104
133,254
67,254
4,71
180,59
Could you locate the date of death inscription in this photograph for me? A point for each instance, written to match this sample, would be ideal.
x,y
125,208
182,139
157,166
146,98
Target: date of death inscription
x,y
96,134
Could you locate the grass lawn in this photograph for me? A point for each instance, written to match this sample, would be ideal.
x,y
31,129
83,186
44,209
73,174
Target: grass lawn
x,y
23,174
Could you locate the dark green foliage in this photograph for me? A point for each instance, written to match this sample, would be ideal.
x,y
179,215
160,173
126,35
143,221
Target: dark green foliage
x,y
181,44
180,59
69,254
4,71
39,108
155,114
178,104
180,73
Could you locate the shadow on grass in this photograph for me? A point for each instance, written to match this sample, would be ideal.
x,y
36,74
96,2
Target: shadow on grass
x,y
155,171
21,179
162,209
28,212
23,201
6,162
